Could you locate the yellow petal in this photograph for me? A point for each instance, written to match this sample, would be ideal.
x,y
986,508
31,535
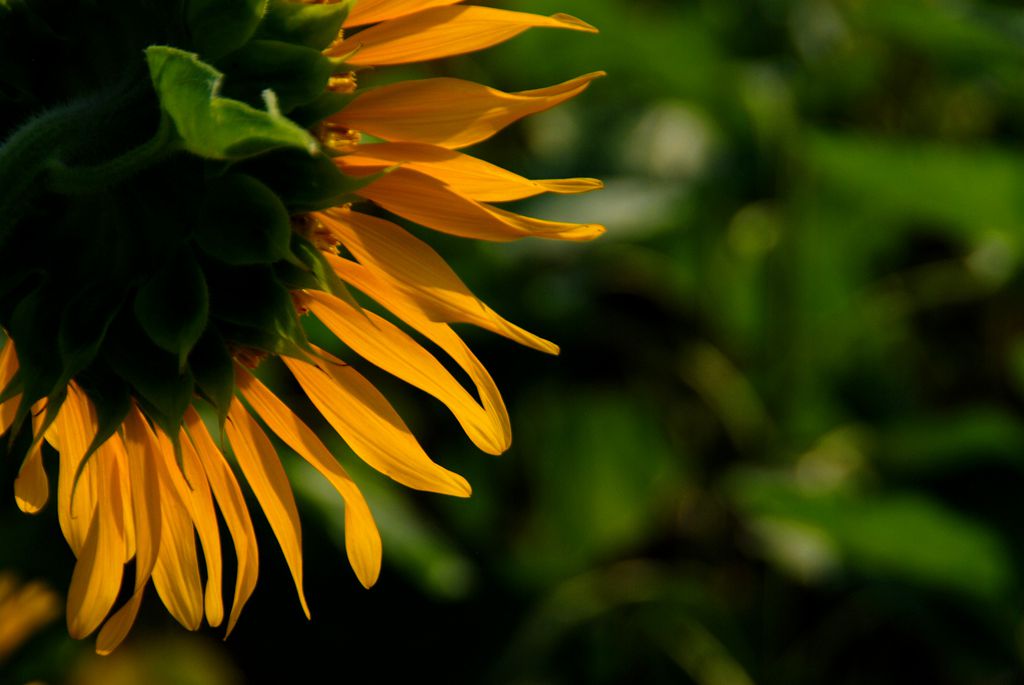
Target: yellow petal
x,y
262,468
440,334
204,517
413,267
443,32
232,506
86,609
8,367
372,11
115,630
74,430
468,176
387,346
448,112
142,453
176,574
372,428
113,454
32,487
362,540
116,445
424,200
96,580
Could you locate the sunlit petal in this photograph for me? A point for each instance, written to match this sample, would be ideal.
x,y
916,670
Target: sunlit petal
x,y
444,32
449,112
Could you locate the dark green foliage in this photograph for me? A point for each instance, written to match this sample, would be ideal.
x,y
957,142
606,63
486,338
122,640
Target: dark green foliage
x,y
303,184
218,27
155,376
323,274
112,398
35,329
251,306
313,25
214,371
319,109
296,74
174,304
243,222
212,126
85,323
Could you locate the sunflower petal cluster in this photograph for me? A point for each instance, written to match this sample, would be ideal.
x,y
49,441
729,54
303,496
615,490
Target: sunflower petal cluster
x,y
185,185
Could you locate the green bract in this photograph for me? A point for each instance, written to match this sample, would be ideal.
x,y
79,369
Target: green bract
x,y
154,155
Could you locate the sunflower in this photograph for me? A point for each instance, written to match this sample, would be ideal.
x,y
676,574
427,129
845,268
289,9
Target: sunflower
x,y
197,181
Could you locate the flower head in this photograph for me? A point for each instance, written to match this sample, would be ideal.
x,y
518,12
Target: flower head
x,y
152,267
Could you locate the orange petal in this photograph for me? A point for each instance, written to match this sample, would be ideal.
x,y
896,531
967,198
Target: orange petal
x,y
8,367
449,112
232,506
440,334
73,431
32,487
204,517
116,444
362,540
96,580
262,468
372,11
410,265
142,453
443,32
116,629
388,347
427,201
371,427
468,176
176,574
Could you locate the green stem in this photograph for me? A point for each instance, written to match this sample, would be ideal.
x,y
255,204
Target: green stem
x,y
77,180
24,155
31,159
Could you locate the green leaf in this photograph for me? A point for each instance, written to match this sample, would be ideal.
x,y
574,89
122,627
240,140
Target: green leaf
x,y
34,328
216,127
295,345
952,441
900,179
596,439
112,400
154,375
243,222
325,104
252,300
886,535
315,26
296,74
326,279
214,371
174,305
221,26
304,183
85,324
296,277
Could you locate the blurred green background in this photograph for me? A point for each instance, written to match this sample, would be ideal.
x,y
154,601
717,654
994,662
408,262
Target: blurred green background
x,y
784,441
